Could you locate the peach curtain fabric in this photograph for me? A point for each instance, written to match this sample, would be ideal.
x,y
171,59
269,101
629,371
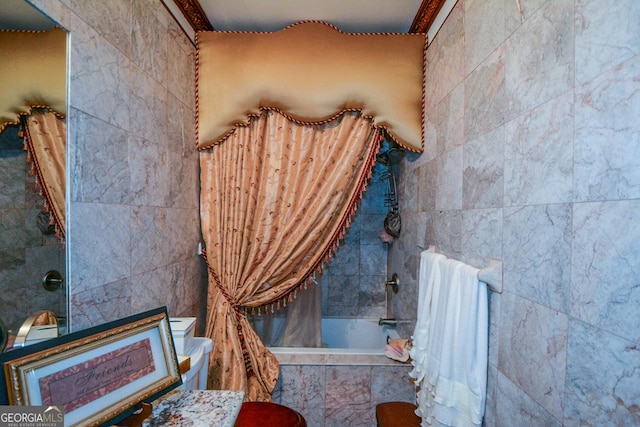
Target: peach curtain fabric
x,y
45,142
276,198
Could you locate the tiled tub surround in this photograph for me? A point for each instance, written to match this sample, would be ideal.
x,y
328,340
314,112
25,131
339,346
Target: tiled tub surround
x,y
133,220
333,389
532,157
353,280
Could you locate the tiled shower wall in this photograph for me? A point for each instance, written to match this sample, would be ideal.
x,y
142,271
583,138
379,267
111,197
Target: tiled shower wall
x,y
353,280
133,218
532,157
25,253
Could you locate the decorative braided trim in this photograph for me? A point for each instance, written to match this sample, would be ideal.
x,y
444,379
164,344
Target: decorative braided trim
x,y
263,110
317,21
424,98
32,107
44,191
27,31
316,122
197,100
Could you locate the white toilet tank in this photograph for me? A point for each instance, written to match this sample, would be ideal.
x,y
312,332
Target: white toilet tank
x,y
197,348
196,377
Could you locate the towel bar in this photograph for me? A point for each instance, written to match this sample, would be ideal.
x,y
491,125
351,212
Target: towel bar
x,y
491,274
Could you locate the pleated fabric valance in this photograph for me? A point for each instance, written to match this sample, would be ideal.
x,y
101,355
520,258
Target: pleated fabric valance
x,y
311,72
33,68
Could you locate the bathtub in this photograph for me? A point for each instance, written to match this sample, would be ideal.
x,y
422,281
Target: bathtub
x,y
345,342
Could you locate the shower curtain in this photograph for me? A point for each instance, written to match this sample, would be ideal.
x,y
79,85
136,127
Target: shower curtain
x,y
299,324
45,141
276,198
303,322
288,125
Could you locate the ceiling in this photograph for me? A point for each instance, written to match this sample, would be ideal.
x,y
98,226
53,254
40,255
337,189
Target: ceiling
x,y
369,16
348,15
352,16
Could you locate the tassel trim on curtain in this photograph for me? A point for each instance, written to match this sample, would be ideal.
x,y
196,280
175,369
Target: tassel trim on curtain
x,y
239,305
381,129
21,116
56,218
381,132
336,240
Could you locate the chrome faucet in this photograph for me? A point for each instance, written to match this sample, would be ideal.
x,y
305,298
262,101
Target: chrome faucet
x,y
391,322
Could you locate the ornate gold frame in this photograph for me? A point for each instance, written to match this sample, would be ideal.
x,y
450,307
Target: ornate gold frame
x,y
28,366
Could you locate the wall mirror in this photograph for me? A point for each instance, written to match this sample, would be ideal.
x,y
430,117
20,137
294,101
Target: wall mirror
x,y
33,88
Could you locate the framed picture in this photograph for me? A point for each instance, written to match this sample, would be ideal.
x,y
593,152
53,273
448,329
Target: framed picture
x,y
99,375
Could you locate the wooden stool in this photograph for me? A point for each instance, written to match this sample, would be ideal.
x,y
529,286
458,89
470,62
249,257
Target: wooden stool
x,y
267,414
397,414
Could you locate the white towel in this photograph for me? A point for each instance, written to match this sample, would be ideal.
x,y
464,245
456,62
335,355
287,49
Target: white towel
x,y
429,282
450,344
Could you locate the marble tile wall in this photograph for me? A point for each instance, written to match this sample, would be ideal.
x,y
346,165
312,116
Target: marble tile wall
x,y
133,218
341,395
533,157
353,280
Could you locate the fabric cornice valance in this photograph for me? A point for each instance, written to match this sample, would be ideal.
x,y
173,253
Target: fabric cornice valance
x,y
311,72
33,68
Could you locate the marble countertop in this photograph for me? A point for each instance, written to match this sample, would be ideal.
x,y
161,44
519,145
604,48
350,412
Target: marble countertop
x,y
196,408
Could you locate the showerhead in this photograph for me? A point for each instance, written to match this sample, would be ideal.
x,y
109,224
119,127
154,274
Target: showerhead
x,y
384,158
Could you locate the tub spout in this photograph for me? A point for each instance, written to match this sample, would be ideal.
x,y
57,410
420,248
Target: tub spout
x,y
390,322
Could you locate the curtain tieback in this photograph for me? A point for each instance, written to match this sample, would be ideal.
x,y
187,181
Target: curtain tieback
x,y
239,314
